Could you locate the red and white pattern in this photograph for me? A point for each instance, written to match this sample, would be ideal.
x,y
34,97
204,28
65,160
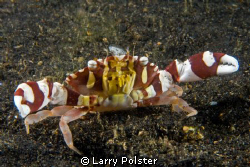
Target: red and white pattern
x,y
31,96
202,66
119,81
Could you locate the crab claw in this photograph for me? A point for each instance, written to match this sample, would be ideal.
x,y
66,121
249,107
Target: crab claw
x,y
33,96
202,66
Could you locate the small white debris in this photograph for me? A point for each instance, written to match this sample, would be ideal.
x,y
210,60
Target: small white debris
x,y
213,103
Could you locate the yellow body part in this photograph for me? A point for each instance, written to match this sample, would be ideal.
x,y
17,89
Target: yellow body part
x,y
91,80
116,80
85,101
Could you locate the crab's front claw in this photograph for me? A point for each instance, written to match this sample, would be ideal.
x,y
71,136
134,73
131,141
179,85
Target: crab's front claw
x,y
33,96
202,66
228,65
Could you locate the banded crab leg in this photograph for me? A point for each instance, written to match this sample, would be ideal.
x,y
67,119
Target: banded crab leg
x,y
172,98
68,117
202,66
162,91
41,115
67,113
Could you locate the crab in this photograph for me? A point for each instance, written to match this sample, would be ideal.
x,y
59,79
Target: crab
x,y
117,82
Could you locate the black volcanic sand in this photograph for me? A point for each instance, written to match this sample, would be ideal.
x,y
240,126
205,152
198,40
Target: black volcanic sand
x,y
55,38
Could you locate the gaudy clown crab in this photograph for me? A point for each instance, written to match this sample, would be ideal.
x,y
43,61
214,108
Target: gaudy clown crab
x,y
117,82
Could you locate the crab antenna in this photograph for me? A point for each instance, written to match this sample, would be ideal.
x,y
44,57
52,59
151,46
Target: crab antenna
x,y
107,51
202,66
127,50
134,51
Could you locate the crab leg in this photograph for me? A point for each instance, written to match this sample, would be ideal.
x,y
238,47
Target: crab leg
x,y
69,116
162,92
202,66
41,115
166,98
179,104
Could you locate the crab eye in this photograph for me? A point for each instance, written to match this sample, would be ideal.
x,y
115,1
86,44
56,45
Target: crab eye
x,y
92,64
143,61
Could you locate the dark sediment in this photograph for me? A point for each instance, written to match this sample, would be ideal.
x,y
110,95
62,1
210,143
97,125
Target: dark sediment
x,y
52,38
